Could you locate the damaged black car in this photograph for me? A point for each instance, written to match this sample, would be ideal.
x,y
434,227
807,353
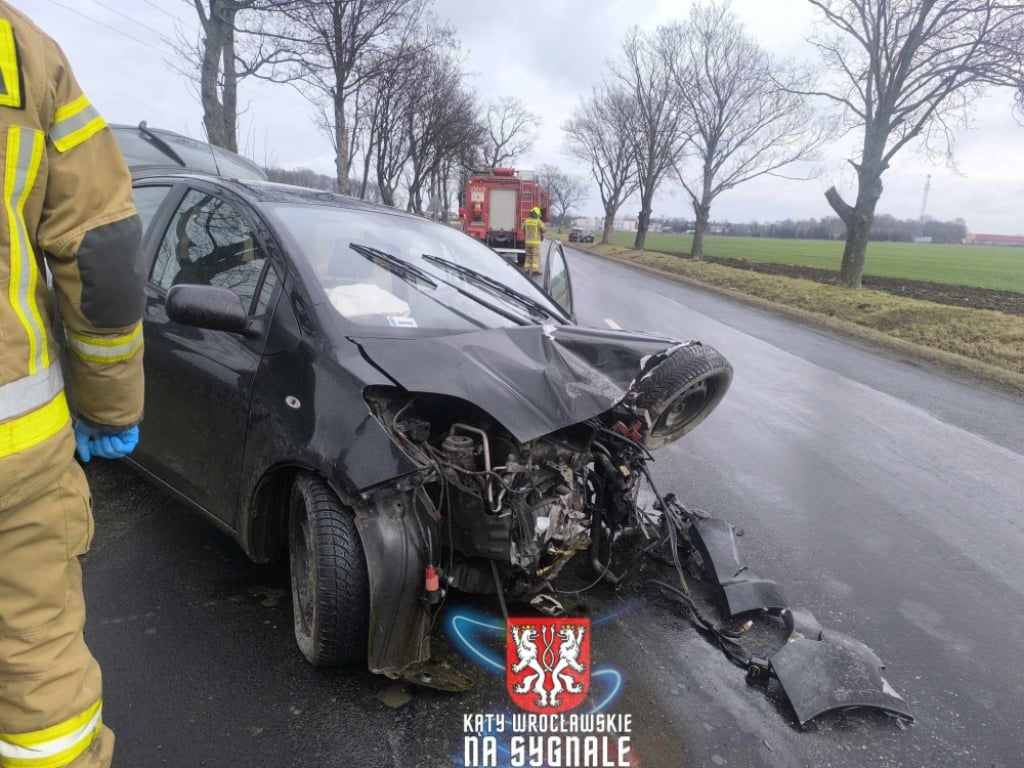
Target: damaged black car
x,y
399,412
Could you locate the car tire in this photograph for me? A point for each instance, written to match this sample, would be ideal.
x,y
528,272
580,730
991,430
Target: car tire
x,y
680,392
329,578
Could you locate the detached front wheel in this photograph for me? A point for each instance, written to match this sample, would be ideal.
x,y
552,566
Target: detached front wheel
x,y
330,582
680,392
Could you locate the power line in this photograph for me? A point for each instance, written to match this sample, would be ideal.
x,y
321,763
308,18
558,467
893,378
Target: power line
x,y
164,11
170,15
124,15
162,38
102,23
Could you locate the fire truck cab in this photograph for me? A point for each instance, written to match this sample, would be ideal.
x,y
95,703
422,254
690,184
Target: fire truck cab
x,y
496,203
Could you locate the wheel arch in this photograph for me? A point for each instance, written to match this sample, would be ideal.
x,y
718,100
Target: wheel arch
x,y
265,529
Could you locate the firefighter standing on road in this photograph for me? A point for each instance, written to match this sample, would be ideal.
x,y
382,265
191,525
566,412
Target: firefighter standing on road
x,y
66,198
534,230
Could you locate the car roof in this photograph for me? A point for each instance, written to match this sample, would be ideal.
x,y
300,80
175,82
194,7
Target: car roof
x,y
271,192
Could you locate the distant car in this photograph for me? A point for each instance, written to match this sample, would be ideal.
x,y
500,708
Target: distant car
x,y
581,236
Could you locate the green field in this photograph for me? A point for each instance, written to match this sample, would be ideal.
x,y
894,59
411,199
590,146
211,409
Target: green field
x,y
975,265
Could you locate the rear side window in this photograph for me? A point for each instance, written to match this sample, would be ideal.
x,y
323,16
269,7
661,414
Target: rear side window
x,y
209,242
147,203
139,151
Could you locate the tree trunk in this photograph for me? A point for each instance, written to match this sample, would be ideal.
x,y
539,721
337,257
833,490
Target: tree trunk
x,y
702,212
609,225
229,92
446,202
858,229
643,220
858,219
366,174
341,141
415,204
213,46
218,79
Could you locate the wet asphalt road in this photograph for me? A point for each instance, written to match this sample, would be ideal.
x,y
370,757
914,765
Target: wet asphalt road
x,y
885,496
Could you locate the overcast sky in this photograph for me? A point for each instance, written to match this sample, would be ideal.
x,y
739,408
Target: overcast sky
x,y
549,54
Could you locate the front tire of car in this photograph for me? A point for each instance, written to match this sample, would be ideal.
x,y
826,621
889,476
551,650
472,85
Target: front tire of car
x,y
681,391
329,578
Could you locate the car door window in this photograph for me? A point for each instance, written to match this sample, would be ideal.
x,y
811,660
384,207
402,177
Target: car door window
x,y
148,201
209,242
559,286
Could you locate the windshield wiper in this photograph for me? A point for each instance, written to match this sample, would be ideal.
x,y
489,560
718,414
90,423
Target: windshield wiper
x,y
393,264
497,285
160,144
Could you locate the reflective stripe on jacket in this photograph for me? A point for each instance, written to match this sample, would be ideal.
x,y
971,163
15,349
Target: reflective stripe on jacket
x,y
67,202
533,229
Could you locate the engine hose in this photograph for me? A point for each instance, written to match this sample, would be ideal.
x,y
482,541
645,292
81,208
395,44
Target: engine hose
x,y
608,470
596,528
671,521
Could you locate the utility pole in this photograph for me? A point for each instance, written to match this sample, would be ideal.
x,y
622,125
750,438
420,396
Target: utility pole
x,y
924,206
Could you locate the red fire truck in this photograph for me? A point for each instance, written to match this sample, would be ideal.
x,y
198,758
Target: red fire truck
x,y
495,204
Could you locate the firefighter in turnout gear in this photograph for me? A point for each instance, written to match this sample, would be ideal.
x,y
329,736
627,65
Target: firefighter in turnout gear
x,y
534,230
67,205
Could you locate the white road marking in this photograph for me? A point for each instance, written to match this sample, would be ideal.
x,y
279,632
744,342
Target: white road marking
x,y
612,324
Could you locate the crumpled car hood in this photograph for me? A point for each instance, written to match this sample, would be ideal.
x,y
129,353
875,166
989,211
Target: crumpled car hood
x,y
532,379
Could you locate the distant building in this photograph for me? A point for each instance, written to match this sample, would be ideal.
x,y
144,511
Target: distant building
x,y
977,239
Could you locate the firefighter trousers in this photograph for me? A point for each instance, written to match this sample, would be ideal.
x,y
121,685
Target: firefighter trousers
x,y
532,264
50,687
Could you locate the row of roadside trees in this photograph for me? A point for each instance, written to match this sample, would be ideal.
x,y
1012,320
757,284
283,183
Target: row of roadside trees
x,y
886,228
385,78
700,105
697,104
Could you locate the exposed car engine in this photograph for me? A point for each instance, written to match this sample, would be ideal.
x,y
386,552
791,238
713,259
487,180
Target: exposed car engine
x,y
531,507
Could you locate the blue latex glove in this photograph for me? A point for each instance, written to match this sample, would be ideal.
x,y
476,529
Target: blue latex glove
x,y
94,442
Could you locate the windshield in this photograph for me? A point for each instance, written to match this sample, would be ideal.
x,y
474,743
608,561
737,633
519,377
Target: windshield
x,y
385,270
139,151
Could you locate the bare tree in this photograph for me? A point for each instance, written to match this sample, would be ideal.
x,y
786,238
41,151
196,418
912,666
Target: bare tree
x,y
440,124
510,131
598,133
908,70
565,189
387,101
658,126
341,45
232,46
748,120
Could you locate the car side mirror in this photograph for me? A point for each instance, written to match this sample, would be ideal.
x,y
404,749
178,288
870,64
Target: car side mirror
x,y
206,306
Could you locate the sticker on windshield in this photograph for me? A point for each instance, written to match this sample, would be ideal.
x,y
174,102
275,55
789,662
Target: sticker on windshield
x,y
402,322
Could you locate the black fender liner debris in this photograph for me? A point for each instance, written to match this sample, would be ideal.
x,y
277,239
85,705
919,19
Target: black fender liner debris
x,y
820,670
820,676
742,591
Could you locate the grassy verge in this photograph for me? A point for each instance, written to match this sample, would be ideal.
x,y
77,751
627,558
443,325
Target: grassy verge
x,y
979,266
986,343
